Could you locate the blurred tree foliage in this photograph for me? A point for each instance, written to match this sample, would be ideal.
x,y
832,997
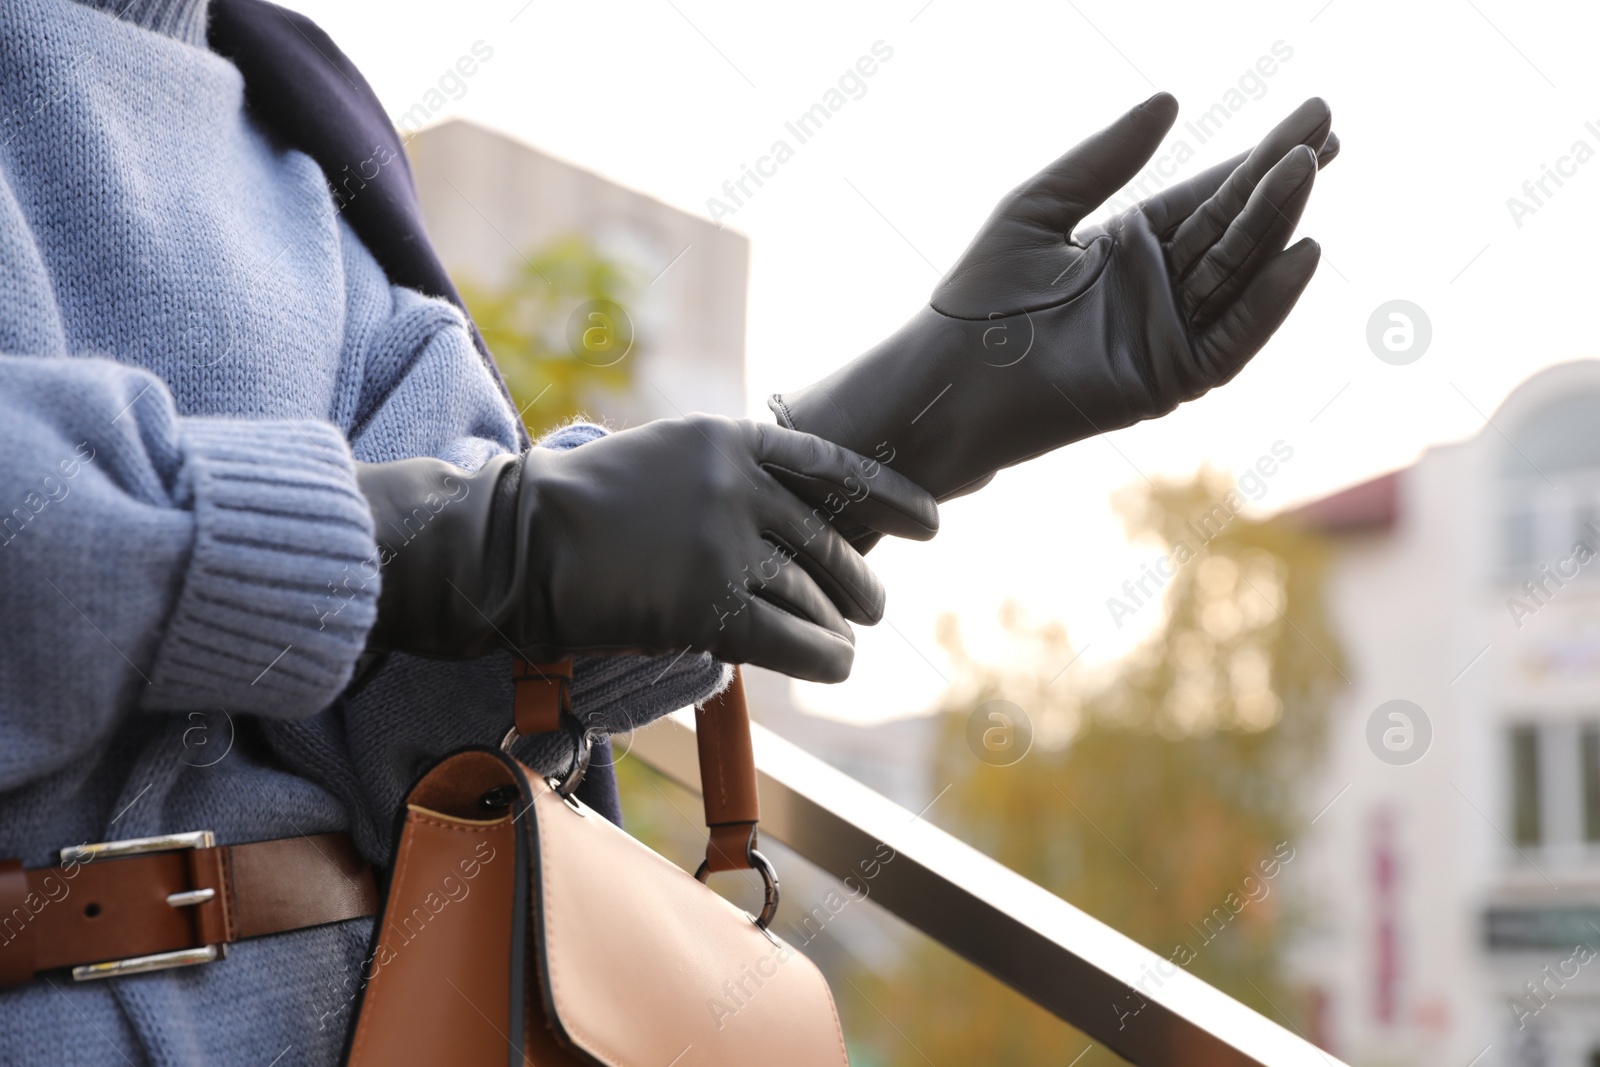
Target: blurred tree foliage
x,y
552,368
1155,799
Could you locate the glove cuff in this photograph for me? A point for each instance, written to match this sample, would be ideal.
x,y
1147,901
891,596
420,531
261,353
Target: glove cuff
x,y
446,554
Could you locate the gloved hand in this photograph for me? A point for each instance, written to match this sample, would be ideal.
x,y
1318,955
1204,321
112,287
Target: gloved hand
x,y
702,534
1039,337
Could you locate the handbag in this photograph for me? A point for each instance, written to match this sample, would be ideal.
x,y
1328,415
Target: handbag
x,y
520,927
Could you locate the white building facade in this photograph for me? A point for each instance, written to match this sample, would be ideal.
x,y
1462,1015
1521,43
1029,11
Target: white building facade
x,y
1451,877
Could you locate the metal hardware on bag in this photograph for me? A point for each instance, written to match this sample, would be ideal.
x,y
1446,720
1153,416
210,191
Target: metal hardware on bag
x,y
769,878
567,786
159,961
499,798
582,739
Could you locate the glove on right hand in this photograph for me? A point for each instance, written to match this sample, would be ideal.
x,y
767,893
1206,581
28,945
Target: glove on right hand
x,y
1044,333
700,534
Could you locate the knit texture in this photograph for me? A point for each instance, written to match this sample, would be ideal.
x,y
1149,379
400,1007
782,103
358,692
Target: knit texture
x,y
194,347
182,20
264,532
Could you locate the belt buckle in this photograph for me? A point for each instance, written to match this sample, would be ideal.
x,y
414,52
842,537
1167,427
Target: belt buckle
x,y
159,961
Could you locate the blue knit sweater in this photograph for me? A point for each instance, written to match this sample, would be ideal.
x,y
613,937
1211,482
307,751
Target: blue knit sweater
x,y
193,346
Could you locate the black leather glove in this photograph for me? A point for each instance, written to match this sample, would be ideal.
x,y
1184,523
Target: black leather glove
x,y
1039,337
699,534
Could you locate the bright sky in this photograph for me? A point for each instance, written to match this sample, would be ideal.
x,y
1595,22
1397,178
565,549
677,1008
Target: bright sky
x,y
1445,109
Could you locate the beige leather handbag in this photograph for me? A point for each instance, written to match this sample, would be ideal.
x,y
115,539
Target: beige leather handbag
x,y
521,927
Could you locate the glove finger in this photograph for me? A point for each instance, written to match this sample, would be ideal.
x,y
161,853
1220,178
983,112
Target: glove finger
x,y
1197,212
824,555
1170,207
788,580
1329,150
1064,193
1261,231
780,641
1227,345
861,493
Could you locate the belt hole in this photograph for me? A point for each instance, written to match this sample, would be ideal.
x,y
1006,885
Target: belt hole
x,y
91,911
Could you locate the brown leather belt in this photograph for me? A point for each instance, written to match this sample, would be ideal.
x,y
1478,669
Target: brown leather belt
x,y
127,907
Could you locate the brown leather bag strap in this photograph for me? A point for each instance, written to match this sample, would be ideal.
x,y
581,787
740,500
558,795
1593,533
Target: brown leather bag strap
x,y
728,778
727,760
543,692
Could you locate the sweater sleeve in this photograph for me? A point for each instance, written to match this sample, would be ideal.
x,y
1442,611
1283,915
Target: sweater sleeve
x,y
166,563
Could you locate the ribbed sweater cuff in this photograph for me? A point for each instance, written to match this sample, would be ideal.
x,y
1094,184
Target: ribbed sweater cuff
x,y
282,582
184,20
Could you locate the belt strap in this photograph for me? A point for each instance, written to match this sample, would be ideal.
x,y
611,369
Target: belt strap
x,y
171,898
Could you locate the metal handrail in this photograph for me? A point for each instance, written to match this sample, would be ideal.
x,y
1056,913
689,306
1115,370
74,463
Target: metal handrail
x,y
1119,993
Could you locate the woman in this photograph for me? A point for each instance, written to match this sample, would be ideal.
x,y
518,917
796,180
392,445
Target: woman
x,y
271,528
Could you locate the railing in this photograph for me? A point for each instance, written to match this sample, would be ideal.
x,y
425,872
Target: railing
x,y
1114,990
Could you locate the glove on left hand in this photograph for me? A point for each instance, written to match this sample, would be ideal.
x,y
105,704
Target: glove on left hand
x,y
1039,337
673,536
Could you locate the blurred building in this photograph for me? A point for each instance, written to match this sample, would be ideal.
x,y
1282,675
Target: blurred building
x,y
1452,874
491,201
